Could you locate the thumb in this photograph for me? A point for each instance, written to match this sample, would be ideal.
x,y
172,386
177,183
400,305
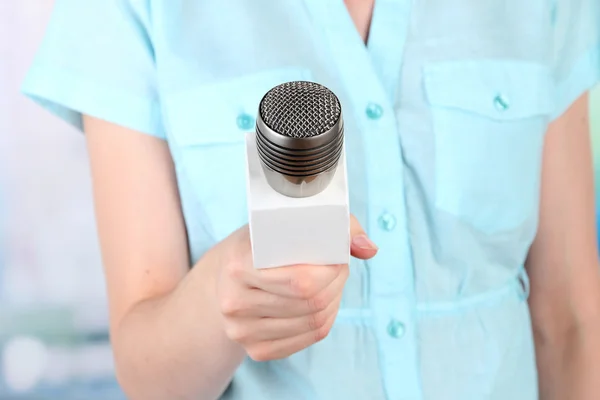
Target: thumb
x,y
361,246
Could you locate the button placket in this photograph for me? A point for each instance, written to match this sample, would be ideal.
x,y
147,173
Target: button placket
x,y
391,296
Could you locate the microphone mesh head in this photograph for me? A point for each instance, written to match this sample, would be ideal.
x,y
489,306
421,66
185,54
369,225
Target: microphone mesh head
x,y
300,109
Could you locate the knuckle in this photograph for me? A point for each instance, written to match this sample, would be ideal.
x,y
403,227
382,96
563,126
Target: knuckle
x,y
318,303
235,271
236,332
259,354
317,321
302,285
230,330
230,306
312,322
322,332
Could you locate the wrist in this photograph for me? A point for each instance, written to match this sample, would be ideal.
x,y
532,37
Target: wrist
x,y
207,273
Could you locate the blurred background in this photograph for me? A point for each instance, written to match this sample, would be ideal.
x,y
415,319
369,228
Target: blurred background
x,y
53,321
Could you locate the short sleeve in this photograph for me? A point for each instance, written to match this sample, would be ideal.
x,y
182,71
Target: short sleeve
x,y
97,59
576,49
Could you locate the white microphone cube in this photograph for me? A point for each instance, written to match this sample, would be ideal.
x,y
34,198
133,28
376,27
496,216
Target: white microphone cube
x,y
288,231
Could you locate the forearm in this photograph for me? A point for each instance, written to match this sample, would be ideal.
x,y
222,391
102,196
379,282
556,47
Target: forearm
x,y
563,264
567,337
174,347
569,363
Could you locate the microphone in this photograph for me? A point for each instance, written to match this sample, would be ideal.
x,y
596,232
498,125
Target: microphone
x,y
299,137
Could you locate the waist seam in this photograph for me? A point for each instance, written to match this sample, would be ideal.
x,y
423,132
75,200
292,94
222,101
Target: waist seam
x,y
517,288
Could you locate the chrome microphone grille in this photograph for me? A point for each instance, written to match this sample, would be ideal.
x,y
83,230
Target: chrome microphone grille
x,y
300,109
299,137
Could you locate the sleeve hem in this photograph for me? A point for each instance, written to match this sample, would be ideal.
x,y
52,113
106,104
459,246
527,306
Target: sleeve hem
x,y
68,95
583,76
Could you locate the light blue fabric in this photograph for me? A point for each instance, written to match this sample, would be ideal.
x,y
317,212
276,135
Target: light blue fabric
x,y
446,111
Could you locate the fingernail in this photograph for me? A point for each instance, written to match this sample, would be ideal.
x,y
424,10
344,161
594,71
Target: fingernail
x,y
363,242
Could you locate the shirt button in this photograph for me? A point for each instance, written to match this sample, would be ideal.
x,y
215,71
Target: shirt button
x,y
245,122
501,103
374,111
396,329
387,222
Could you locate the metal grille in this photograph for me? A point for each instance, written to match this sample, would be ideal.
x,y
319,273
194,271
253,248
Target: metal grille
x,y
300,109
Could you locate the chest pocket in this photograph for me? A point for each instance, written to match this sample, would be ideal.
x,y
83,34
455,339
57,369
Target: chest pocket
x,y
489,119
207,127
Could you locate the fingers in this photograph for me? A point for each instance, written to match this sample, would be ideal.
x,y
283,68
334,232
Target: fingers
x,y
303,281
266,338
277,349
252,330
297,281
258,303
361,246
276,312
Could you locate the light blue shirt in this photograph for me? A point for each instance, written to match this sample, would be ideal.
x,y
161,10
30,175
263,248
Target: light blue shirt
x,y
445,110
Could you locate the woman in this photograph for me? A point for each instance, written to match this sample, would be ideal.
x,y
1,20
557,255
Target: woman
x,y
469,168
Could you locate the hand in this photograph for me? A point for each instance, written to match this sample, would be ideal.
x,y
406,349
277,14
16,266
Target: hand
x,y
273,313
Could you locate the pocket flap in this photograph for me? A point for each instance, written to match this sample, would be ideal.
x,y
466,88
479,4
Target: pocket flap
x,y
502,90
230,105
